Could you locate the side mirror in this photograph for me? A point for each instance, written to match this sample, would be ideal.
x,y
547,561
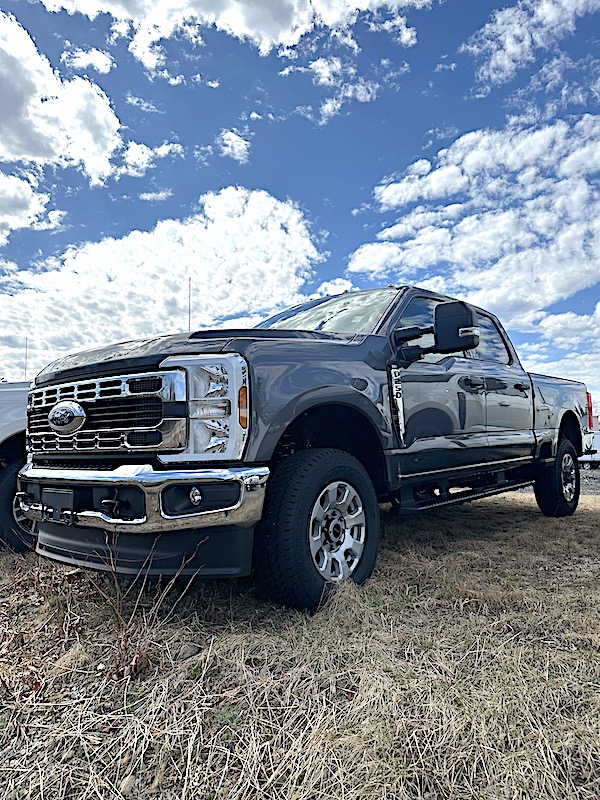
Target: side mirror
x,y
455,327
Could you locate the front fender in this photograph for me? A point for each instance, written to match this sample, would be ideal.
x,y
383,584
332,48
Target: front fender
x,y
266,442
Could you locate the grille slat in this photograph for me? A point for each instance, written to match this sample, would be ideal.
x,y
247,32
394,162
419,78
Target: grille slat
x,y
122,413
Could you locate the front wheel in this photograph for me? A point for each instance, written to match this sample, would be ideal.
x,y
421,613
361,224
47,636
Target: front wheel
x,y
320,527
557,488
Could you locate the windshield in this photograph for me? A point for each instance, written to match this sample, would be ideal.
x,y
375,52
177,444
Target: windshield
x,y
355,312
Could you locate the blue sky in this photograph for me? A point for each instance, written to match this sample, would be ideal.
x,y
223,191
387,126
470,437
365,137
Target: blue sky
x,y
275,151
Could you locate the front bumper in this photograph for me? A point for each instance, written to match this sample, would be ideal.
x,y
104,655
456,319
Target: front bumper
x,y
245,511
211,543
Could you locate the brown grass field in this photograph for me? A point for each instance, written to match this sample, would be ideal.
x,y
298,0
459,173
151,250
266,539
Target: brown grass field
x,y
467,667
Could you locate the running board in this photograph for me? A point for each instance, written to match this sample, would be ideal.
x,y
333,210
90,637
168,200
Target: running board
x,y
411,506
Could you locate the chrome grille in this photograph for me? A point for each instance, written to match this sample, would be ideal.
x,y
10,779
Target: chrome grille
x,y
124,413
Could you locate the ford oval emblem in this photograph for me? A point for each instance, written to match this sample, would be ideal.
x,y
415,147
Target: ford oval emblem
x,y
66,417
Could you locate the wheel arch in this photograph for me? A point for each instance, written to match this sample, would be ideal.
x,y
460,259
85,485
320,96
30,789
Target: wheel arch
x,y
327,422
571,430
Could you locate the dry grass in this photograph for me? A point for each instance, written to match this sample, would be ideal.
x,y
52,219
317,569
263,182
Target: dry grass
x,y
468,667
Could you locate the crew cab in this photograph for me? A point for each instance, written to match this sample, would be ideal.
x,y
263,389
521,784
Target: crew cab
x,y
223,452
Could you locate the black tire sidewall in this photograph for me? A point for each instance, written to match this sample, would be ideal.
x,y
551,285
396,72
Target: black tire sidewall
x,y
549,487
10,533
296,486
308,498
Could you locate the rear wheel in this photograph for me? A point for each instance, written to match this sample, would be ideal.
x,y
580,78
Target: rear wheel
x,y
557,487
16,530
320,527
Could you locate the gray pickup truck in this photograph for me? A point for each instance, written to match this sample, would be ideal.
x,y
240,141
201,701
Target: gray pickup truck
x,y
268,449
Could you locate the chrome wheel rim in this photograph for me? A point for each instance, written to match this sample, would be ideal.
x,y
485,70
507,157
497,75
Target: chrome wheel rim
x,y
24,525
337,531
568,477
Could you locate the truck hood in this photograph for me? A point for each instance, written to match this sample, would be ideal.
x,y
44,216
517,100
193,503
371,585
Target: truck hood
x,y
146,354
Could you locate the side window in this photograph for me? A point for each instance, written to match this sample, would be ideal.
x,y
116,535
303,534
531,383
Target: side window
x,y
420,312
491,344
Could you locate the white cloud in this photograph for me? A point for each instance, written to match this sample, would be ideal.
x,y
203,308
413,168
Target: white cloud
x,y
509,218
514,34
248,254
139,158
232,145
20,205
278,23
157,196
396,25
362,91
335,286
48,121
144,105
99,60
330,71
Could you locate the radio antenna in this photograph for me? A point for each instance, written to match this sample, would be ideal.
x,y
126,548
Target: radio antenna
x,y
25,371
189,303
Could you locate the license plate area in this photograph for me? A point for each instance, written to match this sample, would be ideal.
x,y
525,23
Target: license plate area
x,y
57,505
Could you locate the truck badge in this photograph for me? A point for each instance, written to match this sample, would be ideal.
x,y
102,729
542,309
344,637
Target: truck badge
x,y
66,417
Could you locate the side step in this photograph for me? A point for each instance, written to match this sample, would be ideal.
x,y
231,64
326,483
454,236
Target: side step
x,y
408,504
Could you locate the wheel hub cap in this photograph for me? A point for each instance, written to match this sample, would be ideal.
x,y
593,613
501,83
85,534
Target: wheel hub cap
x,y
337,531
568,477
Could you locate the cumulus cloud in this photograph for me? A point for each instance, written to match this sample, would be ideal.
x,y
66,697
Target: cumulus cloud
x,y
20,205
278,23
48,121
248,254
93,58
232,145
514,34
139,158
509,218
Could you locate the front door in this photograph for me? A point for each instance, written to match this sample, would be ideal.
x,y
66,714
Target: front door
x,y
443,404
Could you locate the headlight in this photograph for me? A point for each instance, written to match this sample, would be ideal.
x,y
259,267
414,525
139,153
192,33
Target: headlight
x,y
217,397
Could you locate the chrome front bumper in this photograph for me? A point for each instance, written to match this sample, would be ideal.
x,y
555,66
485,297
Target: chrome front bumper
x,y
246,512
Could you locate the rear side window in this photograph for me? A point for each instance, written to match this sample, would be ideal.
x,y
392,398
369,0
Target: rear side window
x,y
491,344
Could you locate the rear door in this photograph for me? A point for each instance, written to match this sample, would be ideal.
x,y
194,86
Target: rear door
x,y
508,392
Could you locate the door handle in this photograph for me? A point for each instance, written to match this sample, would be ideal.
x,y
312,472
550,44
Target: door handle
x,y
523,387
475,383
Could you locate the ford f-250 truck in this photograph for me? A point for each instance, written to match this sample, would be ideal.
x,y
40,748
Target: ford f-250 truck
x,y
226,451
15,529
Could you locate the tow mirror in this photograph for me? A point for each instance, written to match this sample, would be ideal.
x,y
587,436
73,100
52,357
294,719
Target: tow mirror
x,y
455,327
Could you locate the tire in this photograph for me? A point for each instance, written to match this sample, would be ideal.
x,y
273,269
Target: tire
x,y
304,543
557,487
16,531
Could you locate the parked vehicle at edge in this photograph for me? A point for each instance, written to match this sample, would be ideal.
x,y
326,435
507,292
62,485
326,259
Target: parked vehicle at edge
x,y
591,451
15,528
267,449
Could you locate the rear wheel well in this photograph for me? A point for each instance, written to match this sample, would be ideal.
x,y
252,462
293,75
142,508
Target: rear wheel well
x,y
571,430
340,427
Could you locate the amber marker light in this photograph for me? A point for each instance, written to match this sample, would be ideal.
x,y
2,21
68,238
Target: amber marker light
x,y
243,406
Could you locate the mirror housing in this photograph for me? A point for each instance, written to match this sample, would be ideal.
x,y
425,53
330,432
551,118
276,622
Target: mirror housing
x,y
455,327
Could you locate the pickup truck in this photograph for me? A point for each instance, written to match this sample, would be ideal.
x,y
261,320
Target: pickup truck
x,y
223,452
15,529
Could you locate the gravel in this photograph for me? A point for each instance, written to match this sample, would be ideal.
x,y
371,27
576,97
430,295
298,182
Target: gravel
x,y
590,481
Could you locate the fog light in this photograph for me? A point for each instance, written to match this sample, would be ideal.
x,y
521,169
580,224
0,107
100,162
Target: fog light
x,y
195,496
